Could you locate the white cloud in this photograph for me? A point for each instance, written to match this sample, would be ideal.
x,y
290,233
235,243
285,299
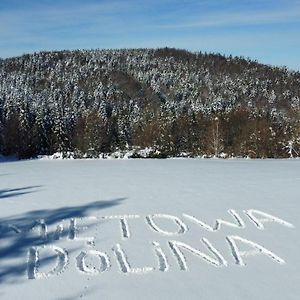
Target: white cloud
x,y
237,18
38,20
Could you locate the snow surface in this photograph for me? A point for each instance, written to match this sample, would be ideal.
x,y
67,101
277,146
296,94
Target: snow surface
x,y
150,229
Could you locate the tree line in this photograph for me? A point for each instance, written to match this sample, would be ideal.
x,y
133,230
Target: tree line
x,y
176,102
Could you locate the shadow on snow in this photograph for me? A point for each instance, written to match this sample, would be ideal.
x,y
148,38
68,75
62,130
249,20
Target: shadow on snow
x,y
16,234
7,193
7,159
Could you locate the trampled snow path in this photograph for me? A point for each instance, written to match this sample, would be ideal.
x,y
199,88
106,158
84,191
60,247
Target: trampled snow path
x,y
150,229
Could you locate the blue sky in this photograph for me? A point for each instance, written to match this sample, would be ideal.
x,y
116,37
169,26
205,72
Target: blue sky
x,y
266,30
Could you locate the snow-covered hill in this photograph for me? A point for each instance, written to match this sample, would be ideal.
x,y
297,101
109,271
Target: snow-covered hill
x,y
174,101
149,229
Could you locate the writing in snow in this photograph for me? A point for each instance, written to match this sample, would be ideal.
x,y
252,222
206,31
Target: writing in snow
x,y
101,261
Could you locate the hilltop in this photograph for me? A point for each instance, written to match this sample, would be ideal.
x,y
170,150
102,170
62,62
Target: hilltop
x,y
175,102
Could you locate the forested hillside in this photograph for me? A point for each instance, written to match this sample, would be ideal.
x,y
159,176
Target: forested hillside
x,y
174,101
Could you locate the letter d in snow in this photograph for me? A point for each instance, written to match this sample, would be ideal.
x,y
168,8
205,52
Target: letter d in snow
x,y
34,261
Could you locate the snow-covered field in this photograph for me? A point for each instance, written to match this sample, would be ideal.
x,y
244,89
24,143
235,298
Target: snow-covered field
x,y
150,229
